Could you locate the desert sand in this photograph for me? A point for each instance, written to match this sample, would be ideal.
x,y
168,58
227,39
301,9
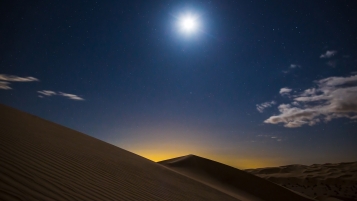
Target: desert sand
x,y
41,160
330,181
237,183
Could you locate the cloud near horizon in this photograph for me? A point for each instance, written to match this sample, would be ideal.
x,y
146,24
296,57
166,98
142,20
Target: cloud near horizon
x,y
328,54
332,98
53,93
261,107
6,79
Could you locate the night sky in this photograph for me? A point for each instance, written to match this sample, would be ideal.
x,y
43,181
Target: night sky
x,y
253,84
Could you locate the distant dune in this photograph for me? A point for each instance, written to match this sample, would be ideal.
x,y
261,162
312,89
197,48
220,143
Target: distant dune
x,y
237,183
322,181
40,160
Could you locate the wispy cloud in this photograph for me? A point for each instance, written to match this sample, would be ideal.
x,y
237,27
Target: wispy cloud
x,y
14,78
53,93
261,107
292,67
70,96
285,91
6,79
4,85
47,93
270,137
332,98
328,54
332,64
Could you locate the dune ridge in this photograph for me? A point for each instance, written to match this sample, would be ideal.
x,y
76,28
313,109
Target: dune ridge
x,y
335,180
41,160
235,182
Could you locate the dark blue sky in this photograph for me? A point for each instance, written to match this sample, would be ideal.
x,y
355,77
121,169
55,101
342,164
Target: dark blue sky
x,y
260,83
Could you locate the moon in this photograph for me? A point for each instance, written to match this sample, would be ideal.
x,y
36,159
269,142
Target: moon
x,y
188,24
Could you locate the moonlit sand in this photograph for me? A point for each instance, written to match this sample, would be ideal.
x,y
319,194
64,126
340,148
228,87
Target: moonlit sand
x,y
330,181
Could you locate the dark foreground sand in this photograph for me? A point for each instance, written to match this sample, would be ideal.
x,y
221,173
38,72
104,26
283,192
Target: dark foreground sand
x,y
330,181
40,160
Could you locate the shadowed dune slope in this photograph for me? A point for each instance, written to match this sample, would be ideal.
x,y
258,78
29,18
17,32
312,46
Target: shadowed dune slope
x,y
235,182
40,160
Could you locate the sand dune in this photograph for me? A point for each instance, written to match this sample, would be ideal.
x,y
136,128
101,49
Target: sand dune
x,y
40,160
237,183
323,181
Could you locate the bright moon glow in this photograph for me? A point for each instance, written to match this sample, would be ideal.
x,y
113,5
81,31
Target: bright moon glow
x,y
188,24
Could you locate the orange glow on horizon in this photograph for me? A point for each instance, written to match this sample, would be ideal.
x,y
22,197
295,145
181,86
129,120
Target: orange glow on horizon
x,y
166,143
237,162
